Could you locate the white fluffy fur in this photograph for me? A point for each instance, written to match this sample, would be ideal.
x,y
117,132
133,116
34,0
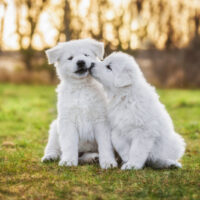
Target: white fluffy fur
x,y
142,130
81,125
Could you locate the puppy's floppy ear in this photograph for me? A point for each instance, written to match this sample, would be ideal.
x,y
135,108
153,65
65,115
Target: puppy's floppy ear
x,y
97,48
123,79
53,54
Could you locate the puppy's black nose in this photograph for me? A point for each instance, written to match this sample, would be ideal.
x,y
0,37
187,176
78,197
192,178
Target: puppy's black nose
x,y
80,63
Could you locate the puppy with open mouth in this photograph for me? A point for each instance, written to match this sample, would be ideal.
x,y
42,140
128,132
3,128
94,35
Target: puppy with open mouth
x,y
142,130
81,125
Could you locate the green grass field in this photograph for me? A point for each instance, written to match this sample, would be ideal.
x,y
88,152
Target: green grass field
x,y
25,114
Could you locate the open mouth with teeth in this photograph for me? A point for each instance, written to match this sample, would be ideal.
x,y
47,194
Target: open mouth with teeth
x,y
81,71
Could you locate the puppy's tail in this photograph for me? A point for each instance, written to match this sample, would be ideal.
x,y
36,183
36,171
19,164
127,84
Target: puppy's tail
x,y
180,144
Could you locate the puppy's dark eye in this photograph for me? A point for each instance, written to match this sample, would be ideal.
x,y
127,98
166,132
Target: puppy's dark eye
x,y
70,58
86,55
108,67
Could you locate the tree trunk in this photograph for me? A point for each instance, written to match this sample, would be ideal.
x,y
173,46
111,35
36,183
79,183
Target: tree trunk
x,y
67,17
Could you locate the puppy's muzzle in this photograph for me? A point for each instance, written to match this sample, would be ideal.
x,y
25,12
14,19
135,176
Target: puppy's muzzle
x,y
81,67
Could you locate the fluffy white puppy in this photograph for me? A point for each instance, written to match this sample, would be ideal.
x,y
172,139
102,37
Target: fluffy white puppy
x,y
142,130
81,125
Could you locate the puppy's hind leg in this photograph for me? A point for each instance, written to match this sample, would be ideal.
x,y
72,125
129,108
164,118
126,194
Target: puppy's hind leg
x,y
164,164
122,146
52,150
139,151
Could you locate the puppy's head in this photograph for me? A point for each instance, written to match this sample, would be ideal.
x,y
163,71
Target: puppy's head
x,y
118,70
74,58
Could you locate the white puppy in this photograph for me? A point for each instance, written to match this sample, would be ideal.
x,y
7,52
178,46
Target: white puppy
x,y
81,125
142,130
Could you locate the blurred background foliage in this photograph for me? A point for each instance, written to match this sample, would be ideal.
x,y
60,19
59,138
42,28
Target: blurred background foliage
x,y
163,35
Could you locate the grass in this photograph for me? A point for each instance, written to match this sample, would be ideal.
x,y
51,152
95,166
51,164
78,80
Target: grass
x,y
25,114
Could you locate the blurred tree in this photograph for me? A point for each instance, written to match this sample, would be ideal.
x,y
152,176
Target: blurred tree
x,y
70,23
169,43
67,20
120,24
195,42
97,12
99,7
26,26
4,6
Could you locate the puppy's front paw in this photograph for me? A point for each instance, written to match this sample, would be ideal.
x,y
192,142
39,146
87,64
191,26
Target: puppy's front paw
x,y
68,162
50,157
108,164
129,166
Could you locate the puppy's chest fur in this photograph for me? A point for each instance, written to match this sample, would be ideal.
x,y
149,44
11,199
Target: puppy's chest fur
x,y
125,115
83,107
